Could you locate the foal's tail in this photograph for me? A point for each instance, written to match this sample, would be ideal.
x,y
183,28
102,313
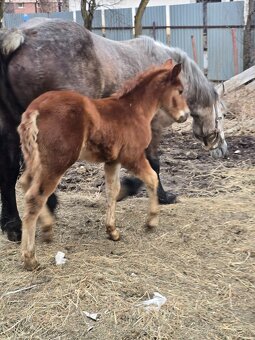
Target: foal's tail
x,y
28,132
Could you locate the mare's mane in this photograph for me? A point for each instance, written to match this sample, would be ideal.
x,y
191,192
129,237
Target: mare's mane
x,y
200,91
139,81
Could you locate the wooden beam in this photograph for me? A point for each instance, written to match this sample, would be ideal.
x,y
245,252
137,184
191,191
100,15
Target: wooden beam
x,y
236,81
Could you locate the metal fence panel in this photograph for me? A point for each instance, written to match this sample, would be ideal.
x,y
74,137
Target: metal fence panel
x,y
225,45
155,19
12,20
183,35
68,16
118,24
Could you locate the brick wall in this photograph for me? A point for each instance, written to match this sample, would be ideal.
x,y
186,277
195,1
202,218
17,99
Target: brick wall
x,y
30,7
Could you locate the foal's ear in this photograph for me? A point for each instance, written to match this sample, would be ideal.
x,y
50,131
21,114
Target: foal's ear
x,y
176,71
169,63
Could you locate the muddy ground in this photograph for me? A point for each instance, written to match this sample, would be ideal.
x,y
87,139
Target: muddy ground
x,y
201,257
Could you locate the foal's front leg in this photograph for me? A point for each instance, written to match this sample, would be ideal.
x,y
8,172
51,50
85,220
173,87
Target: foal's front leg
x,y
112,179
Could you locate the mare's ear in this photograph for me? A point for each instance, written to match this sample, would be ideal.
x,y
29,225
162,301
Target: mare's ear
x,y
169,63
176,71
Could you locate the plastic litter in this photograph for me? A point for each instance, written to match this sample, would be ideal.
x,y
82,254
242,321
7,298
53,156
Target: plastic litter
x,y
155,303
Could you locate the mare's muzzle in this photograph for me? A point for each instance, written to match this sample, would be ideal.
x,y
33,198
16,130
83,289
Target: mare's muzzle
x,y
210,141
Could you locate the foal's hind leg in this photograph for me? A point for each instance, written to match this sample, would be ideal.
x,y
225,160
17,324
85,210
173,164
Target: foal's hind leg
x,y
149,177
46,218
35,199
112,180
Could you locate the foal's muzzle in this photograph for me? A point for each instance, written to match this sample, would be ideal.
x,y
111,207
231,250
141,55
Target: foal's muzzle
x,y
183,116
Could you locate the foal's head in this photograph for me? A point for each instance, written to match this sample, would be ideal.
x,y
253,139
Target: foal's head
x,y
172,101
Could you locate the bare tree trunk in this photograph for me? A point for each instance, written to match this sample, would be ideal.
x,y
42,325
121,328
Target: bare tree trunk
x,y
138,17
65,6
46,6
249,46
88,8
1,12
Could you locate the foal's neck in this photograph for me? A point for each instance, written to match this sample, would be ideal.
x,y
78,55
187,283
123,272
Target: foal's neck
x,y
145,100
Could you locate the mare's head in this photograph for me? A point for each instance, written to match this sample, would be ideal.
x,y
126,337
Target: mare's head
x,y
172,100
208,127
205,105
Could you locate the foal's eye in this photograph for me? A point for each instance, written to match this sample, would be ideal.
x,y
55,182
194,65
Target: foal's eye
x,y
180,91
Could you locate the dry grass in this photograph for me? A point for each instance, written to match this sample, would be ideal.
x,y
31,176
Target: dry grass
x,y
201,258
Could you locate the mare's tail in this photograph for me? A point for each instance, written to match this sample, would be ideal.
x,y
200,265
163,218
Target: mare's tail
x,y
10,41
28,132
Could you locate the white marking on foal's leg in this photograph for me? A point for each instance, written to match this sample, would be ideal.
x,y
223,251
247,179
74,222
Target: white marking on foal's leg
x,y
112,180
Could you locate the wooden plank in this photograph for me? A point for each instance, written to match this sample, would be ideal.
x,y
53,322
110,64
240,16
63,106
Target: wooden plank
x,y
251,86
236,81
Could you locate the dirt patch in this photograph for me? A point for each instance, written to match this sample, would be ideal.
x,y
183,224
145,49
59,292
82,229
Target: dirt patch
x,y
201,257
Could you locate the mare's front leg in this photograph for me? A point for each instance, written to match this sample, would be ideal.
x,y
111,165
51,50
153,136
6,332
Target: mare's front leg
x,y
112,181
10,155
163,196
150,178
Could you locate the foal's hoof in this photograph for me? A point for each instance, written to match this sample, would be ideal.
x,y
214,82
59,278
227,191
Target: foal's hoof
x,y
167,198
31,264
114,235
47,234
152,222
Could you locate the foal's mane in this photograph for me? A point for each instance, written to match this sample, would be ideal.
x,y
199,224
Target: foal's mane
x,y
141,79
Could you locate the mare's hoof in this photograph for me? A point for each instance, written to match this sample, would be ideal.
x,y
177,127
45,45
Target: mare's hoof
x,y
14,235
115,235
129,187
167,198
12,228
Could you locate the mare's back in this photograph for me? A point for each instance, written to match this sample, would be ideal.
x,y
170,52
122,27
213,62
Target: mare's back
x,y
55,55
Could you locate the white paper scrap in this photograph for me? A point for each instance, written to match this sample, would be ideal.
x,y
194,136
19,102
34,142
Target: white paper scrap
x,y
92,316
60,258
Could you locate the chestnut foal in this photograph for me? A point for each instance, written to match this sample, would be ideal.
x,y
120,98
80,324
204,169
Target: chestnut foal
x,y
60,127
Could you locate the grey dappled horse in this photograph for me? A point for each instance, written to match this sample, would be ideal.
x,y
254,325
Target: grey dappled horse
x,y
51,54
